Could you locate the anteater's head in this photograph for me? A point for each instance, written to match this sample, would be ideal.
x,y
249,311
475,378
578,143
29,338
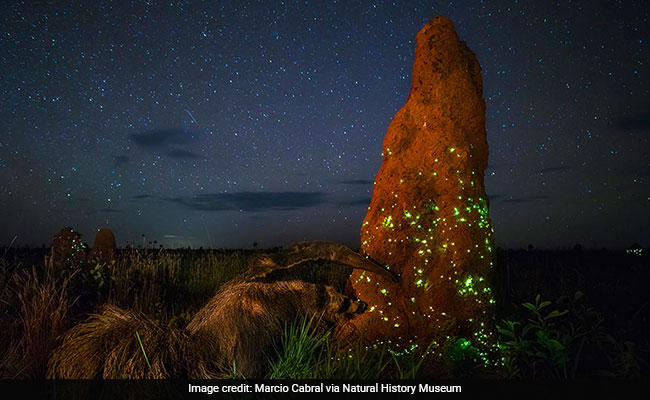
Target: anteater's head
x,y
340,307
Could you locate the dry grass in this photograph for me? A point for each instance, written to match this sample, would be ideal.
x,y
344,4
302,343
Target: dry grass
x,y
43,314
36,308
167,283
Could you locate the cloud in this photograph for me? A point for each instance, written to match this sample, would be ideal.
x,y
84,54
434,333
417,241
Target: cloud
x,y
636,122
358,182
252,201
183,154
558,168
141,196
161,139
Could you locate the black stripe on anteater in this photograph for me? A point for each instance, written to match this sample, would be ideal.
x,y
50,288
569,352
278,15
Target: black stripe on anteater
x,y
322,297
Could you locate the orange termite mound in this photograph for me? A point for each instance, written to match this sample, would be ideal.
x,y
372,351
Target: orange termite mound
x,y
67,250
104,247
428,218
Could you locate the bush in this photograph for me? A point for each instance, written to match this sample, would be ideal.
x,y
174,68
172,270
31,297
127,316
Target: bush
x,y
551,343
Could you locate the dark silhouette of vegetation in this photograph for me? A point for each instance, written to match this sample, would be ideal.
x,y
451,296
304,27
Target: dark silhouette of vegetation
x,y
561,314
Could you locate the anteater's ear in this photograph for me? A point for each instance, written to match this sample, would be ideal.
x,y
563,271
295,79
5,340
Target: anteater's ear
x,y
311,251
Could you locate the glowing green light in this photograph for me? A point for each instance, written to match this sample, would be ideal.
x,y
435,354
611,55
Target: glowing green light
x,y
451,149
634,251
388,222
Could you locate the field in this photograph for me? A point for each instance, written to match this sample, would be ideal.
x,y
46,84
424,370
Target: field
x,y
560,314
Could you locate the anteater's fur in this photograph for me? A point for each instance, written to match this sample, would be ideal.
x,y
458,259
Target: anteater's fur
x,y
247,318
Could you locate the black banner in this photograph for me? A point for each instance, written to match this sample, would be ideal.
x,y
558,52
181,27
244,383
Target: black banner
x,y
249,389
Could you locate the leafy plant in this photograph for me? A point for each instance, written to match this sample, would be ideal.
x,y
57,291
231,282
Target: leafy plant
x,y
549,343
626,361
461,357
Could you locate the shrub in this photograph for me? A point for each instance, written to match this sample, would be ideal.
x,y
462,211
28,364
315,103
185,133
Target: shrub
x,y
550,342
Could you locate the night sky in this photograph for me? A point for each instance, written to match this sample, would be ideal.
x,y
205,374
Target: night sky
x,y
224,123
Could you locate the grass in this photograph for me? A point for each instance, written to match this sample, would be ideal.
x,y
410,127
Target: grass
x,y
168,283
144,353
41,313
604,333
307,351
300,350
37,306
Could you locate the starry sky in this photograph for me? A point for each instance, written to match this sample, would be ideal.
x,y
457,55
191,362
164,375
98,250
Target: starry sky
x,y
228,123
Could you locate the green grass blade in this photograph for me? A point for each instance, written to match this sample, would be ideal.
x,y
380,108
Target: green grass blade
x,y
142,348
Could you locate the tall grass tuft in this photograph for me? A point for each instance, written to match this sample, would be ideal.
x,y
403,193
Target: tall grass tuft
x,y
373,361
362,361
301,350
306,351
43,306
